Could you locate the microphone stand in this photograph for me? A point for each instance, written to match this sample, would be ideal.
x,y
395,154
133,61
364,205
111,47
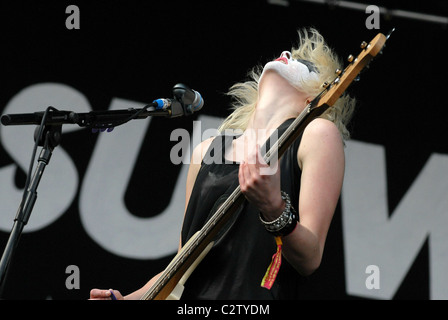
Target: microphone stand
x,y
52,121
92,119
50,139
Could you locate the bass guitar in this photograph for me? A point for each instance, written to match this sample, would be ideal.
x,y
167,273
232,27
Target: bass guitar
x,y
171,282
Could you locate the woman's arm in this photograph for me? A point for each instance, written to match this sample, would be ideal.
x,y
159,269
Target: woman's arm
x,y
321,158
195,164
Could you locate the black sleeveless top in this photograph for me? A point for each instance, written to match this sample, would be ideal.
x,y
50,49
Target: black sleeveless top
x,y
235,266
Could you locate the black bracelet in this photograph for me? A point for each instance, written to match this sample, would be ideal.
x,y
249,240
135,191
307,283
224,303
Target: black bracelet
x,y
286,222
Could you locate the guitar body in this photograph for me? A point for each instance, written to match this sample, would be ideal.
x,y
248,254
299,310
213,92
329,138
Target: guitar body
x,y
171,282
177,291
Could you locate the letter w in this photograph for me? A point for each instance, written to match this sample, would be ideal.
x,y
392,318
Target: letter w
x,y
392,243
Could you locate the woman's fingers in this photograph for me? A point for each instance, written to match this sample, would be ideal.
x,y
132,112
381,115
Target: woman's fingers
x,y
100,294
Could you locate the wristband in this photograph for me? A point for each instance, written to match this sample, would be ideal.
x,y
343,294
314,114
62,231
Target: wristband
x,y
286,222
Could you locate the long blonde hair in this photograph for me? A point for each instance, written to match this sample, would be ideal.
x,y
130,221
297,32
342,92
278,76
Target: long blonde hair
x,y
311,47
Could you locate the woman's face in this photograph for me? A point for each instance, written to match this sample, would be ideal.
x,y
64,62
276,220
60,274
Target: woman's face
x,y
296,72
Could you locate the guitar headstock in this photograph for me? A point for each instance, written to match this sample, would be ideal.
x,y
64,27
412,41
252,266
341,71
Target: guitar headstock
x,y
344,78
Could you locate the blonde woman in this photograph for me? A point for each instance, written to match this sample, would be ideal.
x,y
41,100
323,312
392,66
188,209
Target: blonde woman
x,y
294,203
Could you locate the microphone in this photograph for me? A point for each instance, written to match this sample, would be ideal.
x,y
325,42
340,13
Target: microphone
x,y
190,99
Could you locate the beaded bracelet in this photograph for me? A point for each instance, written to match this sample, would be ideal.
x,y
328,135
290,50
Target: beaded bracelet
x,y
286,222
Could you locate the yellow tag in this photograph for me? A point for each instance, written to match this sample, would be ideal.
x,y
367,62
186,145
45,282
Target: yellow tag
x,y
274,267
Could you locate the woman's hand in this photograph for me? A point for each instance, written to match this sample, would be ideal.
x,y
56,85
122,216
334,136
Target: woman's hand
x,y
98,294
260,184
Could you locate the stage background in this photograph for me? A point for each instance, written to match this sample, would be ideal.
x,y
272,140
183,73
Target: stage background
x,y
101,192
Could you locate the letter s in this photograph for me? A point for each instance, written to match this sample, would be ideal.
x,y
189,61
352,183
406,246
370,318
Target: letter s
x,y
103,211
59,183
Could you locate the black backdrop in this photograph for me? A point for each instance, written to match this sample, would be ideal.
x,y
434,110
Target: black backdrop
x,y
137,50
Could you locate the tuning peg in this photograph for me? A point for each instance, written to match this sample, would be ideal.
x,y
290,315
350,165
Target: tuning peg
x,y
325,85
390,32
338,72
350,58
364,45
